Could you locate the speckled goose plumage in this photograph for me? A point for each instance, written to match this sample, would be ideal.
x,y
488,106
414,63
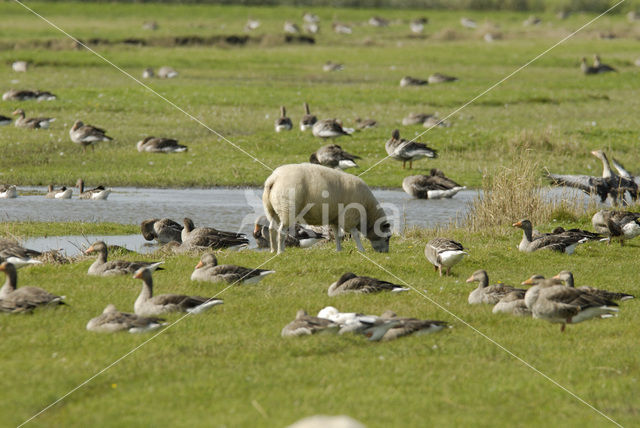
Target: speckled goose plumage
x,y
16,254
27,95
620,225
87,135
563,242
567,277
31,122
208,237
304,237
97,193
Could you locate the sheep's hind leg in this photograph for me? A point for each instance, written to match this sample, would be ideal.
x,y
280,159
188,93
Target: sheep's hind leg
x,y
336,234
273,233
355,234
281,237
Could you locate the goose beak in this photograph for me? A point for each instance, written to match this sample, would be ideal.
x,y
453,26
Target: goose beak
x,y
470,279
518,224
257,228
89,250
527,282
199,265
555,277
137,275
2,266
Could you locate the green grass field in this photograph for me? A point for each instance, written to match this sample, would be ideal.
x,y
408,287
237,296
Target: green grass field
x,y
230,367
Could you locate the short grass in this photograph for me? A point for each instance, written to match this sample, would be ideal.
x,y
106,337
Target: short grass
x,y
230,367
237,92
28,229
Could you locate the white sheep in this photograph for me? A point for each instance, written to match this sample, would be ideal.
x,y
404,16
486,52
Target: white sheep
x,y
317,195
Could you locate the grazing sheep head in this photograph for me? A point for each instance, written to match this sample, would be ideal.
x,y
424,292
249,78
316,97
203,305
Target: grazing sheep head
x,y
379,235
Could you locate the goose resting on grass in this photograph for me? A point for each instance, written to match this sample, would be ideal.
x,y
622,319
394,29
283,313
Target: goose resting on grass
x,y
433,186
102,267
97,193
14,299
332,66
567,277
513,303
27,95
489,294
112,320
600,67
31,122
160,145
333,156
208,237
407,150
618,225
308,120
362,124
303,237
405,326
441,78
412,81
162,230
328,128
62,193
444,252
87,135
148,305
352,283
283,123
208,269
416,118
305,325
565,243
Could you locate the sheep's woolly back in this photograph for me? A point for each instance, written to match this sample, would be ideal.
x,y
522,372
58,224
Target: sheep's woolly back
x,y
320,188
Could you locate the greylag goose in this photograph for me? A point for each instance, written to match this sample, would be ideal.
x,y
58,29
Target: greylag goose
x,y
365,123
565,305
308,120
489,294
311,27
252,24
208,237
468,22
433,186
162,230
61,193
622,170
303,237
31,122
619,225
160,145
310,17
305,325
352,283
17,255
19,66
567,278
377,21
444,253
112,320
441,78
208,269
328,128
340,28
620,184
564,243
407,150
291,28
27,95
586,68
433,121
513,303
415,118
148,305
14,299
283,123
166,72
333,156
412,81
97,193
87,135
332,66
417,25
102,267
406,326
351,322
8,191
4,120
577,233
148,73
600,67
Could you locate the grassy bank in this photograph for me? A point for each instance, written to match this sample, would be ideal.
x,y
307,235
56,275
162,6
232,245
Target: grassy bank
x,y
230,367
237,90
28,229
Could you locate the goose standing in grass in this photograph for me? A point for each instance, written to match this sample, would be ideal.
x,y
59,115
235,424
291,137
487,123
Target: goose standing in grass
x,y
332,66
444,253
417,25
407,150
31,122
61,193
513,303
564,243
166,72
407,326
283,123
160,145
303,237
102,267
27,95
14,299
489,294
17,255
8,191
433,186
148,305
97,193
305,325
600,67
162,230
208,269
208,237
112,320
441,78
618,225
328,128
556,303
333,156
4,120
567,278
308,120
352,283
87,135
415,118
362,124
412,81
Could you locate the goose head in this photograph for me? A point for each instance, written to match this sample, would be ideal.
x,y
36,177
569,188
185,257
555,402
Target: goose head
x,y
80,184
147,229
208,259
76,125
346,277
534,280
479,276
18,112
188,224
96,247
143,274
566,277
395,135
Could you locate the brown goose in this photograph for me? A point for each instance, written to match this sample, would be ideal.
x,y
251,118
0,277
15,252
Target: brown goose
x,y
305,325
577,233
97,193
148,305
564,243
102,267
210,238
377,21
328,128
17,255
433,186
352,283
87,135
620,184
416,118
112,320
14,299
619,225
31,122
489,294
333,156
308,120
208,269
27,95
444,252
441,78
513,303
567,277
283,123
407,150
163,230
407,326
160,145
412,81
362,124
303,237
